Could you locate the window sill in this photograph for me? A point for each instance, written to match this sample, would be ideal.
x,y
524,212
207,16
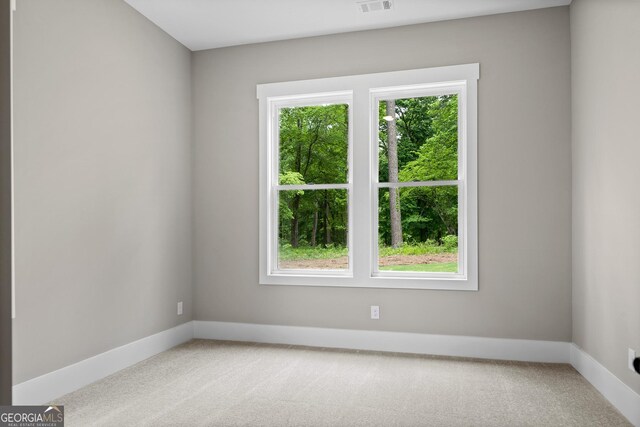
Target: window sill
x,y
457,283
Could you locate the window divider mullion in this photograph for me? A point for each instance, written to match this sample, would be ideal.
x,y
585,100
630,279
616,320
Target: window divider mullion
x,y
361,235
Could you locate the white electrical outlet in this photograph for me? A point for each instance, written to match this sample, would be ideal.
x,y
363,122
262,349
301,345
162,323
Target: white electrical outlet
x,y
375,312
179,308
632,357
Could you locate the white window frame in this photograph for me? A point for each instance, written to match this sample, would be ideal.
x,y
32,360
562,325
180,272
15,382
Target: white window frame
x,y
364,92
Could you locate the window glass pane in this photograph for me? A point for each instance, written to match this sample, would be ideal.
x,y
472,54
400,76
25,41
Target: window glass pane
x,y
418,139
418,229
313,230
314,144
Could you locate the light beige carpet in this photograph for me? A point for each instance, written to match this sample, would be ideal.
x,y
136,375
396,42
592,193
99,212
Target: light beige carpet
x,y
216,383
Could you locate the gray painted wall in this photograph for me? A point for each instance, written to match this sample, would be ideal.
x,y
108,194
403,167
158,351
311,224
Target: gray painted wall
x,y
103,204
524,178
606,198
104,183
5,203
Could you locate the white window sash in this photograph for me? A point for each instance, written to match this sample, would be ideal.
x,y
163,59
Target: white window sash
x,y
274,105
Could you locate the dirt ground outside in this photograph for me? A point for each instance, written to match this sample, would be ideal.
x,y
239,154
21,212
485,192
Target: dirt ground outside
x,y
341,263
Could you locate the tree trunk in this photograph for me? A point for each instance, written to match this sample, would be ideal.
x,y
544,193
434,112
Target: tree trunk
x,y
294,222
314,231
327,226
295,206
346,225
394,193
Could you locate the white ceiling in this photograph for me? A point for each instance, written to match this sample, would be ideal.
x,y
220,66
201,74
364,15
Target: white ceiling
x,y
207,24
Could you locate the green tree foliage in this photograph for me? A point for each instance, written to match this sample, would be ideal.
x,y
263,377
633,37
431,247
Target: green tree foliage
x,y
314,150
427,150
286,197
314,143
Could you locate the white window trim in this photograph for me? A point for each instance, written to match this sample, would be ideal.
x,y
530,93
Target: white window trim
x,y
362,181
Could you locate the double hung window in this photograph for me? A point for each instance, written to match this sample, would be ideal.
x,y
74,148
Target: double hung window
x,y
370,180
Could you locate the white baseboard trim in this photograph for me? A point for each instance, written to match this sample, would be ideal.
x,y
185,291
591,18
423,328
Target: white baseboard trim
x,y
48,387
625,399
403,342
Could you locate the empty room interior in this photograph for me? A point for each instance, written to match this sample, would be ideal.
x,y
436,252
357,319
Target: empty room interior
x,y
320,213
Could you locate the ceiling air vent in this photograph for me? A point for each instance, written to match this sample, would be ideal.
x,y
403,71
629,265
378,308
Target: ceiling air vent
x,y
374,6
